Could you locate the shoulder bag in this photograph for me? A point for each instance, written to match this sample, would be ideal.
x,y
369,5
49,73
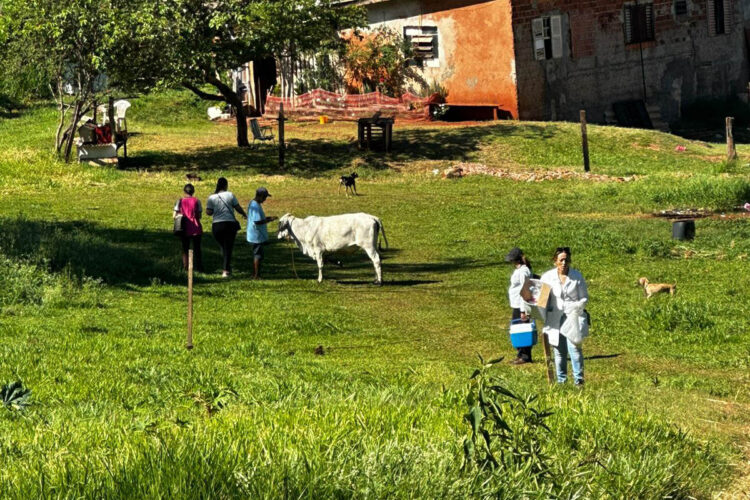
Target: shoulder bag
x,y
237,226
179,222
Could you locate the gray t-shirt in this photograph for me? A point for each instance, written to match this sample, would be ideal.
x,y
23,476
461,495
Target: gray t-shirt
x,y
222,205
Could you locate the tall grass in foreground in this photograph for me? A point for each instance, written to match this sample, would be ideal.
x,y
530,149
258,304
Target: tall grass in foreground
x,y
399,441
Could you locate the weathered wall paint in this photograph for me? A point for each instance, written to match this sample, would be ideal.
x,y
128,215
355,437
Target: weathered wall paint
x,y
598,69
475,46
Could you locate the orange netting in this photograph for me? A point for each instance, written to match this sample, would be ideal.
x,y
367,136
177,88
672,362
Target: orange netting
x,y
320,101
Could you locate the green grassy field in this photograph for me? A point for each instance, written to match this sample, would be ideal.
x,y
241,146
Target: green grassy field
x,y
94,302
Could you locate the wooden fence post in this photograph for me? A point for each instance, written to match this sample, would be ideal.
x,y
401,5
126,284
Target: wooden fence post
x,y
189,342
731,150
584,141
281,134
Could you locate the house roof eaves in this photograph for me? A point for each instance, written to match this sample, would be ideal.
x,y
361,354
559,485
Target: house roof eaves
x,y
363,3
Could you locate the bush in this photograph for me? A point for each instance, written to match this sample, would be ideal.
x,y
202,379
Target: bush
x,y
376,60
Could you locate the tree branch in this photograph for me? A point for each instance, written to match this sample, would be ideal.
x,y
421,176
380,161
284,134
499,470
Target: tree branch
x,y
203,95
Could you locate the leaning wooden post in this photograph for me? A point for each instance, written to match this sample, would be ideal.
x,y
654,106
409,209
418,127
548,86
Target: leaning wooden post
x,y
281,134
111,116
547,358
189,342
731,150
584,141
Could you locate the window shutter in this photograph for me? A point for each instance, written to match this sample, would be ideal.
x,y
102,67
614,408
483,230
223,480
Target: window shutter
x,y
627,24
711,14
537,30
556,35
648,28
727,16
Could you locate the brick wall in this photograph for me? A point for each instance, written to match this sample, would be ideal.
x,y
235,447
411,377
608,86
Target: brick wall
x,y
597,68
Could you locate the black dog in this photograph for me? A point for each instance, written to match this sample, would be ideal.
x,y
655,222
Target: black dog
x,y
349,182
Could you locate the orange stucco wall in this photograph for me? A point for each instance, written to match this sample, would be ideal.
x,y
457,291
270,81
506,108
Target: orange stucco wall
x,y
475,42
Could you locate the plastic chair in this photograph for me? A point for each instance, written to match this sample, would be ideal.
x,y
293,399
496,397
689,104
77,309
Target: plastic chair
x,y
121,107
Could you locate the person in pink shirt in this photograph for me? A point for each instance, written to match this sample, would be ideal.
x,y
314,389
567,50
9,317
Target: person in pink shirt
x,y
191,209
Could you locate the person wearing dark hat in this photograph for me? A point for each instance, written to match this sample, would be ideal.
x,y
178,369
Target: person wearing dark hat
x,y
521,310
257,227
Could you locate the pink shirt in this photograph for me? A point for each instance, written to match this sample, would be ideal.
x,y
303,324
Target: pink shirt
x,y
191,209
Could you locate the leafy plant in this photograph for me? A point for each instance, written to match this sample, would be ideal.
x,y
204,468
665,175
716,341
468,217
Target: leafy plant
x,y
214,400
507,430
15,396
376,60
439,111
433,88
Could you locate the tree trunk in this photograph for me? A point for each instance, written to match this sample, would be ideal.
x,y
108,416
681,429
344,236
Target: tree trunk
x,y
62,111
241,127
72,130
230,97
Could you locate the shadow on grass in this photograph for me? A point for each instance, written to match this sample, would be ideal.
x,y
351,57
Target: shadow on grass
x,y
602,356
137,257
311,157
387,282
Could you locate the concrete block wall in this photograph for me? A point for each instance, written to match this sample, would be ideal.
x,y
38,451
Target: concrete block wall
x,y
598,69
475,45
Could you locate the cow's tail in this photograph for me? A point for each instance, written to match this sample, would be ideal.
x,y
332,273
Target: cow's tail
x,y
382,231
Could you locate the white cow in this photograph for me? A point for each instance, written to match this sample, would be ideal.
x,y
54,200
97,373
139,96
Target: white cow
x,y
317,235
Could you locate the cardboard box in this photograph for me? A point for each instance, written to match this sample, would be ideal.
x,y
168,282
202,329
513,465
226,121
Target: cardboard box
x,y
543,298
535,292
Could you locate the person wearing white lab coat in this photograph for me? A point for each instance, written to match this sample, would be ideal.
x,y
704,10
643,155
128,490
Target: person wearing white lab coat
x,y
519,309
565,318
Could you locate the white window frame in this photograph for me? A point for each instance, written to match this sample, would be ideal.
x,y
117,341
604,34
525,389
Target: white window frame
x,y
420,31
546,33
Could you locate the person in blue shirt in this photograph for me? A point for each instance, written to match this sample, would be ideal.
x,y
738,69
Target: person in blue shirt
x,y
257,230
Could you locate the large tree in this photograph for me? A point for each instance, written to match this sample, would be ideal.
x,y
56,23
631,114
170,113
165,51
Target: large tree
x,y
204,40
293,29
87,47
64,44
80,49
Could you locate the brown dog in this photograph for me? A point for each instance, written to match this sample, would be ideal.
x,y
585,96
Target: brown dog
x,y
651,288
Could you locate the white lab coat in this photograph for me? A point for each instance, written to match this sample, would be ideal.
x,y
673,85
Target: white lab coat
x,y
569,299
517,279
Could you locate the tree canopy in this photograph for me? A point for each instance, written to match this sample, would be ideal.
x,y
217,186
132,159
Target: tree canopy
x,y
80,48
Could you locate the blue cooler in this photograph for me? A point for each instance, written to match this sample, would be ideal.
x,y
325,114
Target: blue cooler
x,y
522,334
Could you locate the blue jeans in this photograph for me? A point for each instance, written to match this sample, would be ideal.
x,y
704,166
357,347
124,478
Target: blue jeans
x,y
564,347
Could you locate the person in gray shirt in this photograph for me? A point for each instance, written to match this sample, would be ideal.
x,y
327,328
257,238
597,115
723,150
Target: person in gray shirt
x,y
221,206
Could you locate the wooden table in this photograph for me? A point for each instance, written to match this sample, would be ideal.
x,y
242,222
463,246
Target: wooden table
x,y
364,131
